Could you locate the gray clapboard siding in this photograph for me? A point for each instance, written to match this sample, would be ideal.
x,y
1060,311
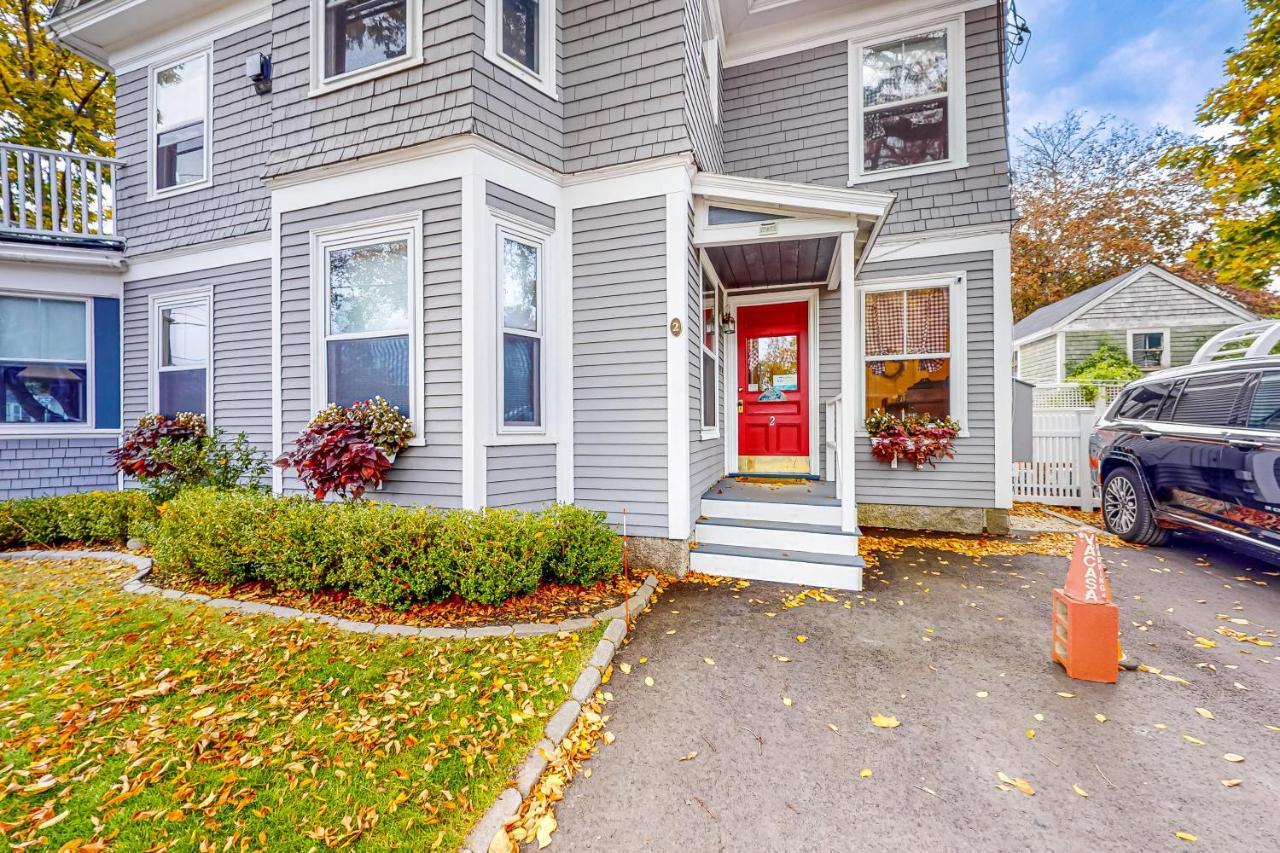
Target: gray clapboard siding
x,y
1185,342
1038,361
519,205
35,467
236,203
969,478
1080,345
521,476
787,118
421,475
829,350
704,131
1152,302
241,346
623,76
620,362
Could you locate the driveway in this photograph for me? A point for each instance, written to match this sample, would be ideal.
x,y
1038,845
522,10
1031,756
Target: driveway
x,y
957,651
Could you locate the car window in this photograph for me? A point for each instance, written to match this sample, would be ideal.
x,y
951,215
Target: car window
x,y
1265,411
1208,400
1143,403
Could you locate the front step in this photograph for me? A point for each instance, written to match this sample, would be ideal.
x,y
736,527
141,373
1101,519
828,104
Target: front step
x,y
834,571
820,512
777,535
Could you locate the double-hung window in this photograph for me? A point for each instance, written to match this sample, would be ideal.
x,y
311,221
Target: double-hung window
x,y
709,346
368,308
521,322
180,96
908,103
180,331
520,36
913,349
44,360
1149,350
358,39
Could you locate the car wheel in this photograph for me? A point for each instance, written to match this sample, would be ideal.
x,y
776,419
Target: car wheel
x,y
1127,511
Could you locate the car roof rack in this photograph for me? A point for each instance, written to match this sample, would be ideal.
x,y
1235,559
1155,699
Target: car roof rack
x,y
1248,340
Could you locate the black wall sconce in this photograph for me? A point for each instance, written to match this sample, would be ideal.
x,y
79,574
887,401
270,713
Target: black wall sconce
x,y
728,324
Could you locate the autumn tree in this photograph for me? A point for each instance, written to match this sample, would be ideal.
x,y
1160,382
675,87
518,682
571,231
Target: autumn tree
x,y
1095,200
49,96
1241,167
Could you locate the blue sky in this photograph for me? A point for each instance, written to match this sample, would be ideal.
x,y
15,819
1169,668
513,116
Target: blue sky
x,y
1148,61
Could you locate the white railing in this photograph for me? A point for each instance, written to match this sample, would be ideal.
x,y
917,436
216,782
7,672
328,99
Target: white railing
x,y
1059,472
56,193
835,423
1072,395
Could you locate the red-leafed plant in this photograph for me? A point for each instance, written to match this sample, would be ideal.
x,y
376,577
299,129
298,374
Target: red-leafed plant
x,y
920,439
345,450
137,456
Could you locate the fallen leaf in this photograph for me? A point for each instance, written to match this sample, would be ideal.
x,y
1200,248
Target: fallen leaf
x,y
1079,790
1205,712
1102,718
1231,783
625,667
608,738
1066,695
206,711
782,659
1185,836
885,722
1024,786
865,773
801,638
648,681
1195,740
689,757
833,727
708,661
786,700
1031,733
1232,757
981,694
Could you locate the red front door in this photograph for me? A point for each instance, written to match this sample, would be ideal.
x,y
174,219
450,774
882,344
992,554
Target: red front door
x,y
773,388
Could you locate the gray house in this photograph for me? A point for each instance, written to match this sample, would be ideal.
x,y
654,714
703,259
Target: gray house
x,y
1159,319
608,253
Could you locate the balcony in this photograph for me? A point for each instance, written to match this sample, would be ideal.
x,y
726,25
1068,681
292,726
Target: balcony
x,y
57,198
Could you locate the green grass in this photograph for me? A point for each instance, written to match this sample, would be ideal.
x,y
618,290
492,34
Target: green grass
x,y
140,723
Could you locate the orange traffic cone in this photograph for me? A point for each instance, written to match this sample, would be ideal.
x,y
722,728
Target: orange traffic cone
x,y
1086,623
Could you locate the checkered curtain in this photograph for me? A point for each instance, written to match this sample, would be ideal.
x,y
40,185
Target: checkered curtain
x,y
928,324
883,332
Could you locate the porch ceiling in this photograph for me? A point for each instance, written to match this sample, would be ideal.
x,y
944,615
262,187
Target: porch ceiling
x,y
779,263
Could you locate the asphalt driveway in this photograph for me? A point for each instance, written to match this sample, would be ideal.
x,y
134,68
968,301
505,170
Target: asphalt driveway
x,y
957,651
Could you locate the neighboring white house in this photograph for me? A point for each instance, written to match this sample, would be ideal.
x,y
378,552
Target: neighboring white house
x,y
1158,318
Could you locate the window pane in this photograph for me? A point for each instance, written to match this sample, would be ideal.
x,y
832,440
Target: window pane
x,y
920,386
708,390
180,156
1265,411
182,391
1148,349
1143,403
885,323
184,336
773,363
363,369
1208,400
181,93
910,68
361,33
709,313
42,393
520,32
928,320
32,328
519,285
521,377
369,288
904,136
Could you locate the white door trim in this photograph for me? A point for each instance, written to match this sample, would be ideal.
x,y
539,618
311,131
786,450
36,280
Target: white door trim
x,y
734,302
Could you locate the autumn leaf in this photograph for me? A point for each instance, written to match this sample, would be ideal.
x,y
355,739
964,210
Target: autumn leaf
x,y
801,638
786,700
206,711
1102,718
688,756
1233,757
1066,695
648,681
1205,712
1185,836
864,773
884,722
1079,790
709,661
1231,783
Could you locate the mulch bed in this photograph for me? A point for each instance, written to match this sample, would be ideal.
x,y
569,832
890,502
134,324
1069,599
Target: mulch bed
x,y
550,603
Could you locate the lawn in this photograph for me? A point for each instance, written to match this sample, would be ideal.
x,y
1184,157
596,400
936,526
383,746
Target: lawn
x,y
139,723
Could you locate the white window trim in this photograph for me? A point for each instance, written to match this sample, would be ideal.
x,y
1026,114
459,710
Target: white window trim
x,y
504,227
957,135
1165,354
957,286
708,433
90,414
155,304
711,62
544,80
407,227
154,192
412,56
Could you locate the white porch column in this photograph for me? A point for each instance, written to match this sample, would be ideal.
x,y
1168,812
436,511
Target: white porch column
x,y
679,520
850,346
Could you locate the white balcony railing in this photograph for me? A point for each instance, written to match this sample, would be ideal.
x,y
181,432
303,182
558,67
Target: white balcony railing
x,y
56,194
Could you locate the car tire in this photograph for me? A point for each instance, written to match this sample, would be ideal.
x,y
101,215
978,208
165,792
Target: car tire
x,y
1127,511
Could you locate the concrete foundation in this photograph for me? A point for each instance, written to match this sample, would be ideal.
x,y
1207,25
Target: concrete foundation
x,y
652,553
943,519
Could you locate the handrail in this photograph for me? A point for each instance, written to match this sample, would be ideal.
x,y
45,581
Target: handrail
x,y
835,423
60,194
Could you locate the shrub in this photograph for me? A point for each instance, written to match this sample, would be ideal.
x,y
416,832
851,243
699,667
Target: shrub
x,y
298,547
1107,364
382,424
385,554
578,547
95,518
212,534
167,455
488,556
134,455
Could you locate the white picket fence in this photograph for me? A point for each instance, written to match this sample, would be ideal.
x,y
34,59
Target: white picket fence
x,y
1071,395
1059,471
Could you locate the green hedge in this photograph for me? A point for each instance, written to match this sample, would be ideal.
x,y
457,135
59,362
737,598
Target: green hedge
x,y
382,554
97,518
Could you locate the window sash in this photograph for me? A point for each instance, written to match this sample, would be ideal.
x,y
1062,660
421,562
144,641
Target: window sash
x,y
905,353
531,38
536,423
167,153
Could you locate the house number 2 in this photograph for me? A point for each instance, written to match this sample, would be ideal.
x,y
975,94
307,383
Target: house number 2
x,y
772,420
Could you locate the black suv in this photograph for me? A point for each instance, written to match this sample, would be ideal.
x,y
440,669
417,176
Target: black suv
x,y
1194,448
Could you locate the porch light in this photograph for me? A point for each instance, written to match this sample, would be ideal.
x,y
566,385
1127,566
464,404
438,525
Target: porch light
x,y
727,323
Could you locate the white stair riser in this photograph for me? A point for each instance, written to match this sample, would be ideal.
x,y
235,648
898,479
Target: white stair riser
x,y
762,511
782,540
777,571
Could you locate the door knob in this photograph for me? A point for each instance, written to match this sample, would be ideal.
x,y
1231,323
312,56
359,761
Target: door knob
x,y
739,405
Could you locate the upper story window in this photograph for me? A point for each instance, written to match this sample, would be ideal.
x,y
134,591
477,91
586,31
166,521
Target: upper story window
x,y
520,36
908,103
44,360
1149,350
520,276
180,96
359,39
181,334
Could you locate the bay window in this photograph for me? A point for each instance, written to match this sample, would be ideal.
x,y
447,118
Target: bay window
x,y
520,36
520,321
908,103
180,136
913,349
180,328
44,360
